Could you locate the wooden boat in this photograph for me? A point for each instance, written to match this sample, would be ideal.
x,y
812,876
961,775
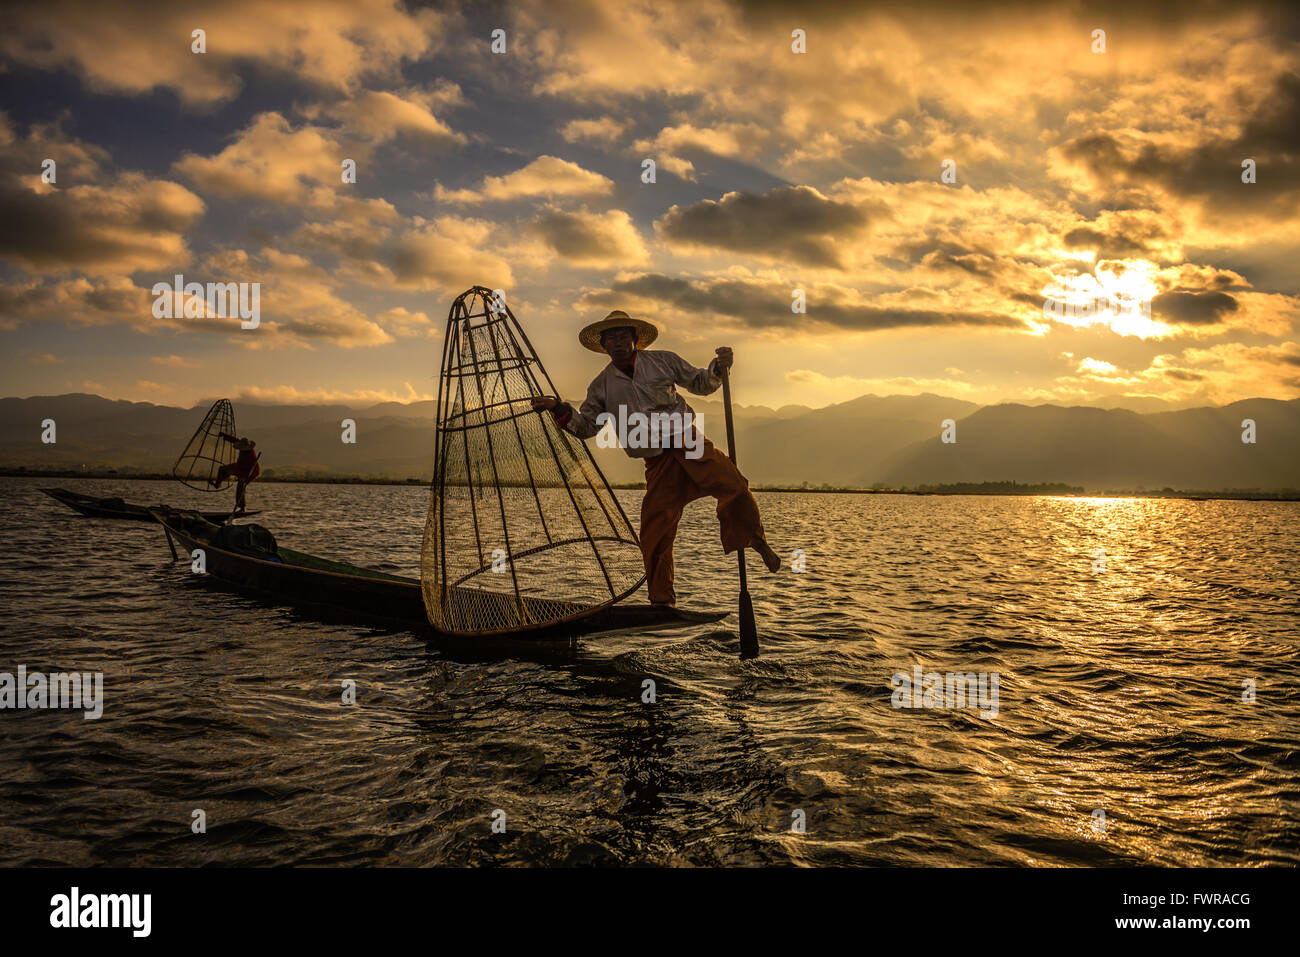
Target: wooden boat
x,y
363,594
93,507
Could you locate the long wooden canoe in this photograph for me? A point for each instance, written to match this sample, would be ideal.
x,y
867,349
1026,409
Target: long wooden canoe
x,y
364,594
93,507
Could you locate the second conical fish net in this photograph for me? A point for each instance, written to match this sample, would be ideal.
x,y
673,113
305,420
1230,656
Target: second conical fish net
x,y
523,530
200,463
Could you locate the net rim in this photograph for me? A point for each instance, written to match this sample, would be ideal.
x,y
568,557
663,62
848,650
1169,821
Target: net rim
x,y
544,625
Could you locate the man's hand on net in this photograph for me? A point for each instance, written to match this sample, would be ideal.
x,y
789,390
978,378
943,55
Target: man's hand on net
x,y
545,402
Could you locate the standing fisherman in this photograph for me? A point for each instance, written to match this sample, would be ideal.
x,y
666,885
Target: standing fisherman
x,y
244,469
643,381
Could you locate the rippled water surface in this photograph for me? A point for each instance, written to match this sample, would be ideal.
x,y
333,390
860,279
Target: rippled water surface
x,y
1119,690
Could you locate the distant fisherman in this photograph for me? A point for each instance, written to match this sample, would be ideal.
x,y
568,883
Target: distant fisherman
x,y
244,469
641,384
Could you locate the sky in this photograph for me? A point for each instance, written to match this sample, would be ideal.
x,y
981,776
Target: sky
x,y
993,202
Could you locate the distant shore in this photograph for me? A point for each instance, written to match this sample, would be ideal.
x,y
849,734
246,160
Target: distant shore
x,y
961,488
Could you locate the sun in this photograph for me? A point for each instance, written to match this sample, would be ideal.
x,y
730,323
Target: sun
x,y
1117,294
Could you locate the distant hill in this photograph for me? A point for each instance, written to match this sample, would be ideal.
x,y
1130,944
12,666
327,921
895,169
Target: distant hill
x,y
1111,448
872,440
842,444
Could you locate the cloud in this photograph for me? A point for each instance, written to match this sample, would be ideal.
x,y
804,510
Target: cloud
x,y
87,220
590,52
795,223
1205,166
766,305
135,47
298,307
81,301
602,130
380,115
957,73
444,254
1121,234
605,240
400,321
1193,308
269,161
176,362
547,176
448,253
275,161
1237,359
945,255
300,303
288,395
723,139
1214,375
1090,366
1067,162
75,161
818,389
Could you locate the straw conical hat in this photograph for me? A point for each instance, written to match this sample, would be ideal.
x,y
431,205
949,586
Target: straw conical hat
x,y
646,333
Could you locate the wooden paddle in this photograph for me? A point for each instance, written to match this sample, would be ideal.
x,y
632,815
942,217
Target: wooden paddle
x,y
748,629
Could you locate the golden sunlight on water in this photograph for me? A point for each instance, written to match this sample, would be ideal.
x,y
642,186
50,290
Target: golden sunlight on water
x,y
1123,635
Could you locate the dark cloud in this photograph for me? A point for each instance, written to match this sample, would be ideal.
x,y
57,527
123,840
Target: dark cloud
x,y
1212,171
1193,308
946,254
571,236
1118,15
589,239
1028,298
1133,241
1182,375
78,300
793,223
131,225
42,230
46,231
1273,127
767,306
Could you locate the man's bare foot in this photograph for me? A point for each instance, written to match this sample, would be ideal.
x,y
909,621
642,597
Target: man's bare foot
x,y
770,558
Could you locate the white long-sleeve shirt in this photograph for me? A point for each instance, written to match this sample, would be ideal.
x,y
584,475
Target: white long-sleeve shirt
x,y
651,389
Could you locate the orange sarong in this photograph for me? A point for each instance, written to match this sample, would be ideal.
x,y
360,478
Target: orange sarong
x,y
672,482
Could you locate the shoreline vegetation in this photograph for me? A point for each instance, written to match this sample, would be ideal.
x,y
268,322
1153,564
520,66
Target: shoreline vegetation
x,y
1059,489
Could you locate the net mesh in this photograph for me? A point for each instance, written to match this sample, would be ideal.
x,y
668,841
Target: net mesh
x,y
207,452
523,530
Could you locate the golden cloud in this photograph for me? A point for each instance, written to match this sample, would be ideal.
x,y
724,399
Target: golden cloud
x,y
546,176
124,46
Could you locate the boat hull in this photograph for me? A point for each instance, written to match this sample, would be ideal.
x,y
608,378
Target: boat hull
x,y
93,507
345,592
396,600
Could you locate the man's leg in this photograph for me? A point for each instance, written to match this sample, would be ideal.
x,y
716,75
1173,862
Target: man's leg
x,y
240,485
738,518
667,490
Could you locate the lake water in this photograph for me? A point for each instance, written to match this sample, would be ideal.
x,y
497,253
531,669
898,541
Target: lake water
x,y
1120,690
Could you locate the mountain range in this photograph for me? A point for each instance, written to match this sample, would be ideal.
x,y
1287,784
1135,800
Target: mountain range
x,y
889,441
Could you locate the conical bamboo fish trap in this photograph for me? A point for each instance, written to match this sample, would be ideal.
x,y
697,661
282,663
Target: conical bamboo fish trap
x,y
523,530
207,451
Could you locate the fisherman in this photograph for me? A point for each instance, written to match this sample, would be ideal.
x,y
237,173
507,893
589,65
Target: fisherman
x,y
641,384
244,469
